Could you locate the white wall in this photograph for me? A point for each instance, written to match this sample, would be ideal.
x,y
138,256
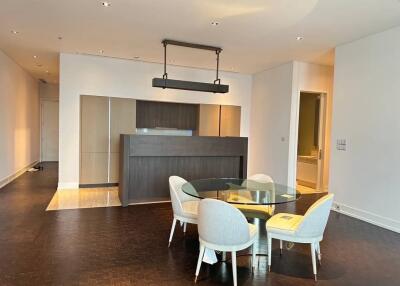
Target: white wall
x,y
19,119
102,76
270,122
366,104
274,116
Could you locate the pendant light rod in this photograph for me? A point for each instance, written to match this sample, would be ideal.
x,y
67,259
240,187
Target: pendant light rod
x,y
165,75
217,75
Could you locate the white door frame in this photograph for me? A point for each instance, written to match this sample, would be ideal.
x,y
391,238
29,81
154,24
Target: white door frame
x,y
293,142
41,122
321,141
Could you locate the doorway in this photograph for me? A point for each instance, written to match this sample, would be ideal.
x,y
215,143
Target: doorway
x,y
49,130
311,142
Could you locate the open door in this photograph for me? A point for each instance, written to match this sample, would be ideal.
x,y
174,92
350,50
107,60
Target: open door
x,y
311,141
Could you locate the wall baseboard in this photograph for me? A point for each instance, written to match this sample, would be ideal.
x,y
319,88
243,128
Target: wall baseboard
x,y
105,185
12,177
366,216
66,186
148,203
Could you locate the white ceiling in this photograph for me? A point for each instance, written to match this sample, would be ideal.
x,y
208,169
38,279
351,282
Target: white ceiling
x,y
255,35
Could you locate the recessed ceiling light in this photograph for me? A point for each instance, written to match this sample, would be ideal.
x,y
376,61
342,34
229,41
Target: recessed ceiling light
x,y
106,4
47,71
214,23
299,38
14,32
35,57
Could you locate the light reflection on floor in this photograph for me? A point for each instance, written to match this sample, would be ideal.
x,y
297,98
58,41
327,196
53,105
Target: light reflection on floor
x,y
306,190
84,198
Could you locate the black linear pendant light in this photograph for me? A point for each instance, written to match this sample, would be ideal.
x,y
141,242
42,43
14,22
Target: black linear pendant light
x,y
165,82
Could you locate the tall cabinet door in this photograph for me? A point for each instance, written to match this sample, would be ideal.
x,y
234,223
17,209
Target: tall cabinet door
x,y
230,121
94,140
208,120
123,121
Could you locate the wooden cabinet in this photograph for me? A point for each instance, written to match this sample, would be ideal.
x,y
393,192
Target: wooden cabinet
x,y
103,119
230,121
94,168
94,139
208,120
219,120
152,114
122,121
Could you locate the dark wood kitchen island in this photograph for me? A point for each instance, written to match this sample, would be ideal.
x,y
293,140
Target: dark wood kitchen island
x,y
147,161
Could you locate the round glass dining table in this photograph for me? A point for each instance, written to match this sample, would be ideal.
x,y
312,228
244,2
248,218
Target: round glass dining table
x,y
241,191
251,197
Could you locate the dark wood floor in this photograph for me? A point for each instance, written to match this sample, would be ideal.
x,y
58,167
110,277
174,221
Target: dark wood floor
x,y
128,246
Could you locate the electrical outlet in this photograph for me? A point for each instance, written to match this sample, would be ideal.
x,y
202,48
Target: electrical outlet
x,y
341,144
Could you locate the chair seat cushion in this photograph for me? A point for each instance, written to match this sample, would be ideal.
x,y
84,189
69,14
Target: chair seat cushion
x,y
284,223
190,208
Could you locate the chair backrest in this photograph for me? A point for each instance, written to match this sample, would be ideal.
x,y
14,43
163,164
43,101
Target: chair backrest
x,y
222,224
315,219
259,181
177,195
261,178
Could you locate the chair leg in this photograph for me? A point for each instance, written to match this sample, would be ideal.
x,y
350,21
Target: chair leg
x,y
280,247
172,232
223,256
314,265
199,260
184,228
234,270
253,257
269,252
318,252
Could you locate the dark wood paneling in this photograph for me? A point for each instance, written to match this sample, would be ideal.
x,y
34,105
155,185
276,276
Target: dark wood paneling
x,y
158,145
148,161
149,175
125,142
153,114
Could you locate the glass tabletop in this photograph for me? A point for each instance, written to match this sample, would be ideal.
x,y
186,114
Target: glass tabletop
x,y
241,191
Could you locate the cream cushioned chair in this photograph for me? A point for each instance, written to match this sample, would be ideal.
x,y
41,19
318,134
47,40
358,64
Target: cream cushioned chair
x,y
254,211
301,229
224,228
185,207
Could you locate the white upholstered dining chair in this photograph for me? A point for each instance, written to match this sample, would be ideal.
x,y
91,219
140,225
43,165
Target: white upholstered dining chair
x,y
185,207
258,211
301,229
224,228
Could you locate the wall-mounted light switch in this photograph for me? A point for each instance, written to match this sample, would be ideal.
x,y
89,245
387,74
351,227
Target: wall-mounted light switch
x,y
341,144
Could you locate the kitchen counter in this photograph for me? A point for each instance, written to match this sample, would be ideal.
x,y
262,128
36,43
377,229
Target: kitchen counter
x,y
147,161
